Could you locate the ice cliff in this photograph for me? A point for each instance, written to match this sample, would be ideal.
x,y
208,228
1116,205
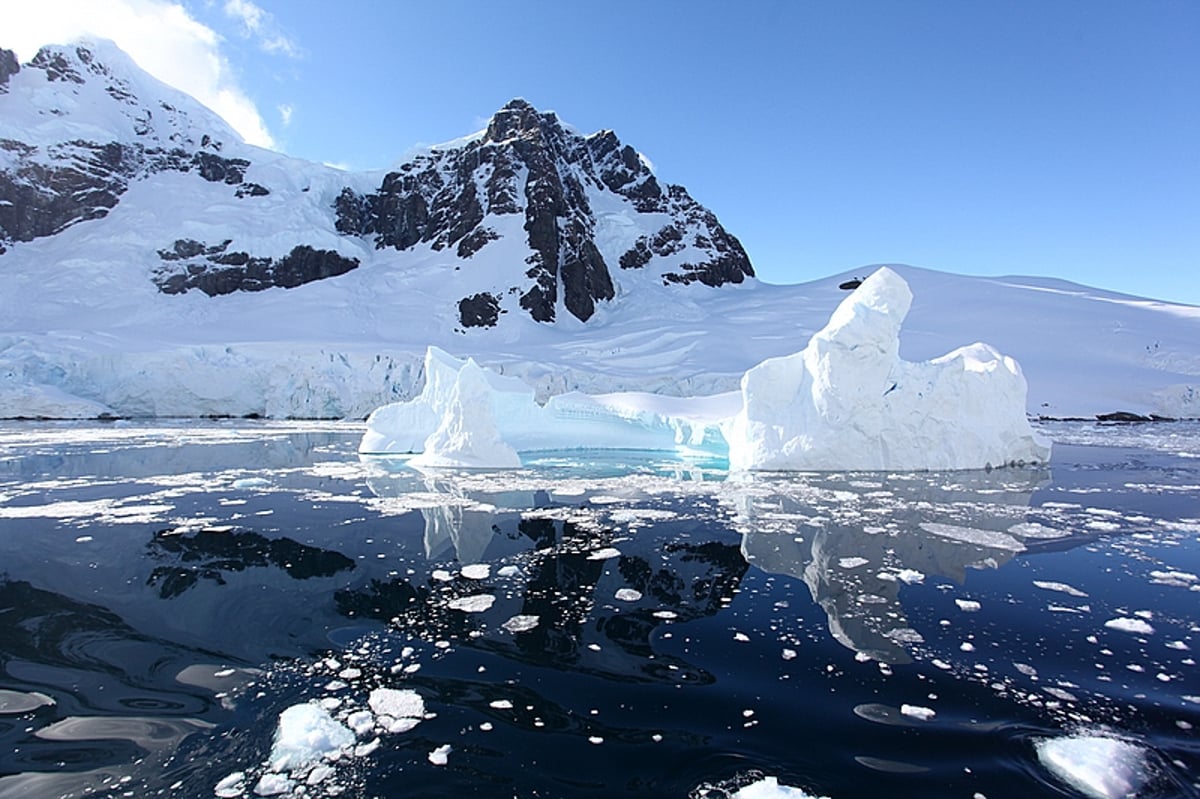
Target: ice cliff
x,y
846,401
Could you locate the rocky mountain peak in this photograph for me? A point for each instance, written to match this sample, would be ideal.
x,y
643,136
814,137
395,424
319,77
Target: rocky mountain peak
x,y
9,66
528,163
519,119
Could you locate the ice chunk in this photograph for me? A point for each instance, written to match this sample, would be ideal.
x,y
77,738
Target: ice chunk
x,y
476,603
1097,766
397,703
440,756
1127,625
521,624
769,788
306,734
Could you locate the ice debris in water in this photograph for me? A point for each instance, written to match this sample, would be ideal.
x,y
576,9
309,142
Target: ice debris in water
x,y
306,734
477,603
917,712
847,401
440,756
1097,766
1128,625
521,624
769,788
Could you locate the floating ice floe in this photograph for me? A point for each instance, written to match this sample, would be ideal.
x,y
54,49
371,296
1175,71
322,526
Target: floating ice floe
x,y
1097,766
769,788
307,734
847,401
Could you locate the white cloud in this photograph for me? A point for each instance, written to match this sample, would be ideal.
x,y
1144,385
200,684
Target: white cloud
x,y
161,36
260,24
285,114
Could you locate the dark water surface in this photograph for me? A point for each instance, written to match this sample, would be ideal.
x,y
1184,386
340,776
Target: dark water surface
x,y
590,626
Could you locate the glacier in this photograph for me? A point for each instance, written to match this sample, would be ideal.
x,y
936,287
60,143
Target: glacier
x,y
846,401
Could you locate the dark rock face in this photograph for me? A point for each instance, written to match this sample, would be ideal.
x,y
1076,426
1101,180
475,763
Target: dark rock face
x,y
479,310
9,66
46,189
55,187
213,269
442,198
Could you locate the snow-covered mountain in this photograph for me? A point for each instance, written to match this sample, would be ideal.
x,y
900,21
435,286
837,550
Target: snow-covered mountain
x,y
152,263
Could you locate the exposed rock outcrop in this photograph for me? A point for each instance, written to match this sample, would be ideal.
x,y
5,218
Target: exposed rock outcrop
x,y
215,270
527,162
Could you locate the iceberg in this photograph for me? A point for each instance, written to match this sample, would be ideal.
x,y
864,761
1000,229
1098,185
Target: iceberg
x,y
846,401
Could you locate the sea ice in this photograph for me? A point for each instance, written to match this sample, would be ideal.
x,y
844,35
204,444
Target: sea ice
x,y
1128,625
306,734
1098,766
847,401
397,703
769,788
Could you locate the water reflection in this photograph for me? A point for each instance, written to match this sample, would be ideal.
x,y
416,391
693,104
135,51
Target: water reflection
x,y
856,542
208,554
111,697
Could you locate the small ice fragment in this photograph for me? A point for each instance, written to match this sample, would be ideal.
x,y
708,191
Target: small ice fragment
x,y
852,563
486,726
442,576
917,712
910,576
231,786
1062,588
1097,766
477,603
362,750
789,654
665,614
397,703
83,539
273,785
1128,625
246,483
967,646
439,756
605,553
500,704
319,775
967,605
742,637
521,624
508,571
476,571
628,594
595,739
361,721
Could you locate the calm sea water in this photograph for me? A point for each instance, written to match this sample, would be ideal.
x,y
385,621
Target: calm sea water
x,y
590,626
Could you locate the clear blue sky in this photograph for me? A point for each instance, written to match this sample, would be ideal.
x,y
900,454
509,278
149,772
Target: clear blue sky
x,y
1046,137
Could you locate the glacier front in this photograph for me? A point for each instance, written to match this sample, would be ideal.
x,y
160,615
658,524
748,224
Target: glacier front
x,y
846,401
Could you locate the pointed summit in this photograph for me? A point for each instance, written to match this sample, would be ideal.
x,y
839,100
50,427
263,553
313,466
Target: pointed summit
x,y
529,163
518,118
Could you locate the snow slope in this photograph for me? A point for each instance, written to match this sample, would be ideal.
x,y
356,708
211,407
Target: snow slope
x,y
84,329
